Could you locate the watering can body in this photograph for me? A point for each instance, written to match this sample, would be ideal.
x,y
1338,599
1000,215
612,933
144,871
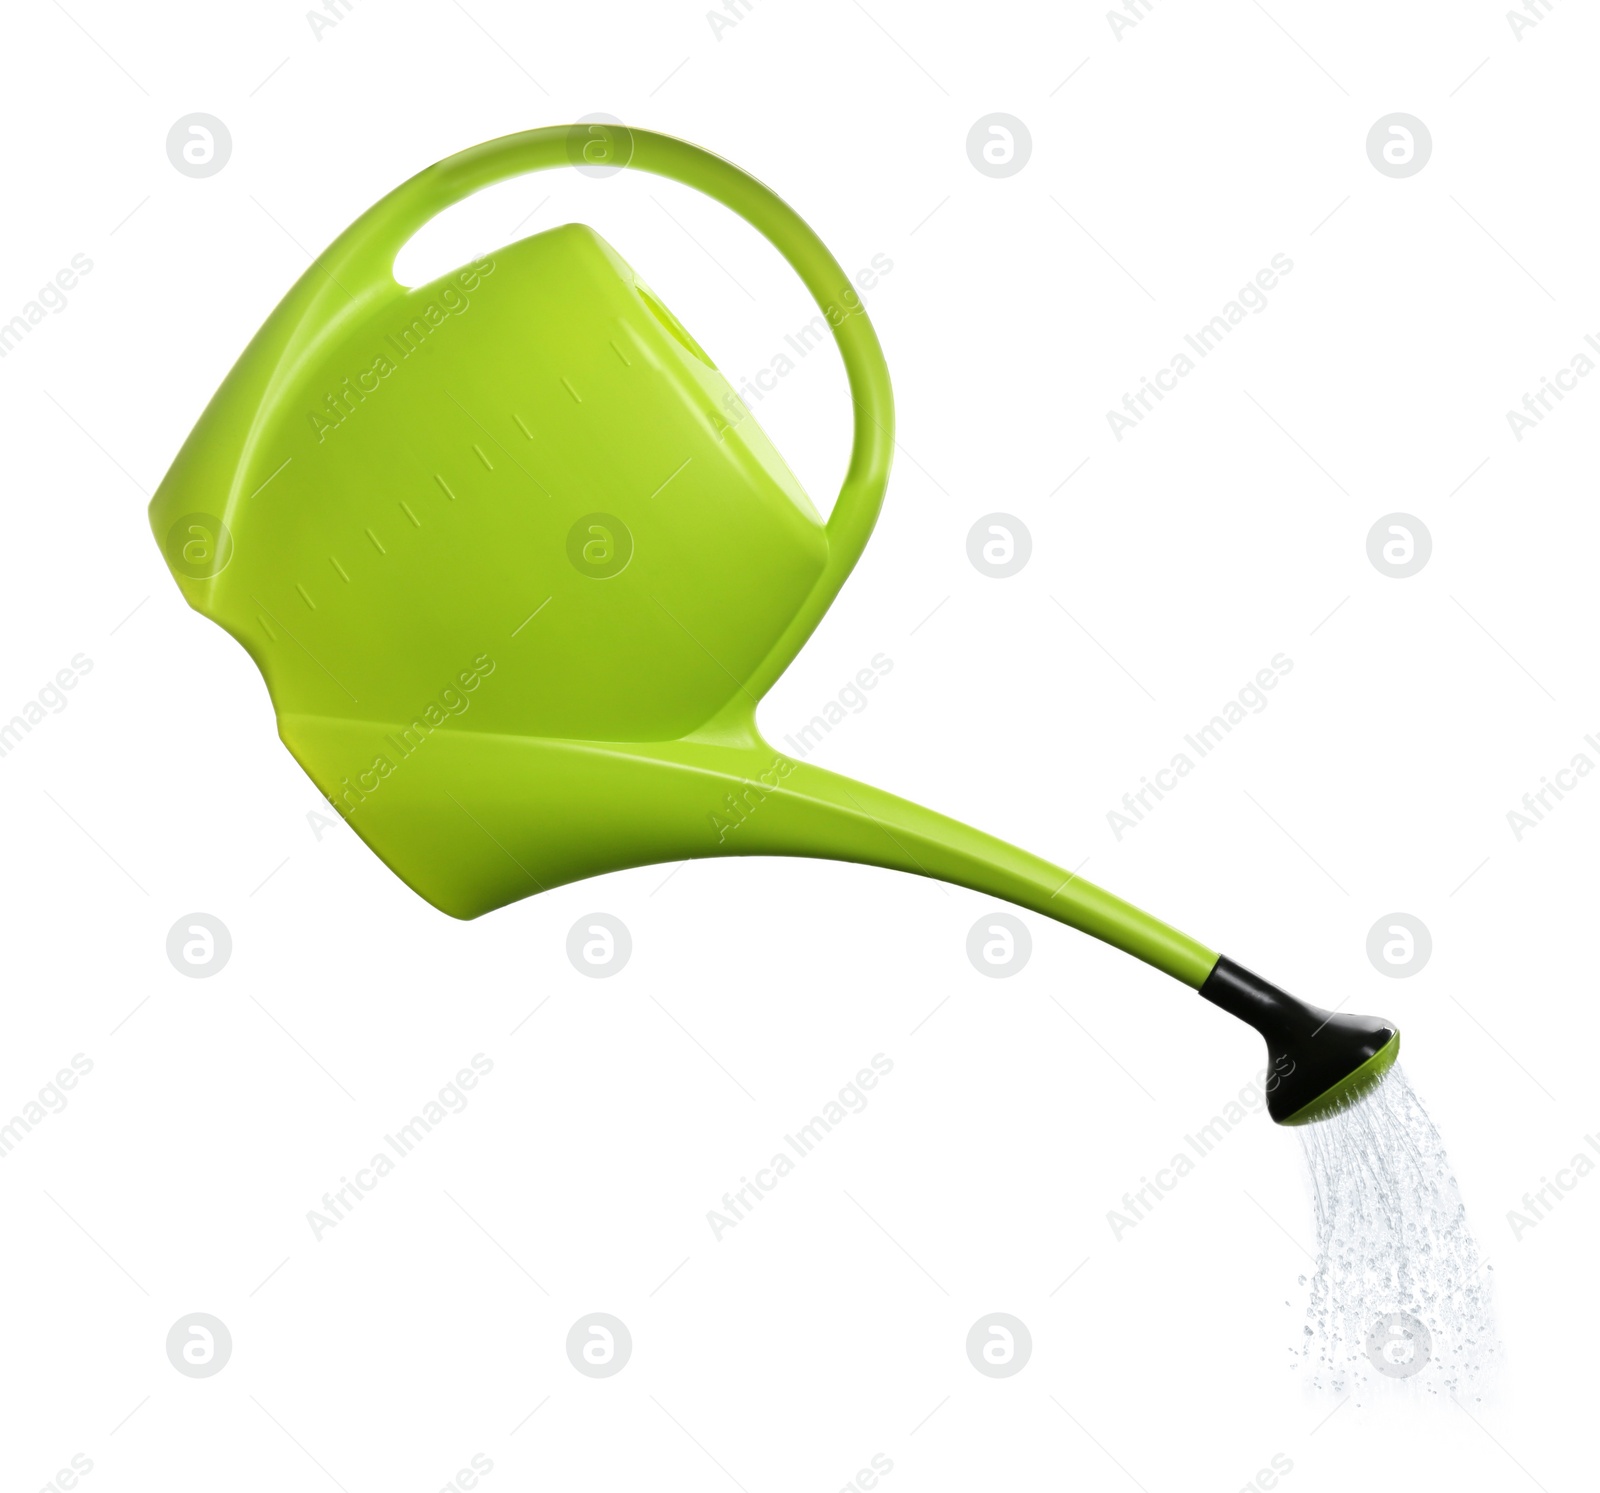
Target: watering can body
x,y
517,565
499,544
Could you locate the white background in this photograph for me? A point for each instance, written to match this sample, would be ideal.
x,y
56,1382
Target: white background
x,y
1230,526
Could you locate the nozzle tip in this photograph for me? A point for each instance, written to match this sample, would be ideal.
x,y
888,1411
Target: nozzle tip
x,y
1321,1060
1349,1089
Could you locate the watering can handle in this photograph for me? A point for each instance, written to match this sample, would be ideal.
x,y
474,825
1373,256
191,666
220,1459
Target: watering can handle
x,y
361,263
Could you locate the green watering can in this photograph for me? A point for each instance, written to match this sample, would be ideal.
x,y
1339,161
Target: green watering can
x,y
517,566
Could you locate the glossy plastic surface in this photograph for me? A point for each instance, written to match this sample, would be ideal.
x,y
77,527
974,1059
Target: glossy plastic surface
x,y
517,565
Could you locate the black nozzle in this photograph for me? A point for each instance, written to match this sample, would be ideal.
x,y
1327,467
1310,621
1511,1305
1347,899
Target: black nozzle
x,y
1319,1060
